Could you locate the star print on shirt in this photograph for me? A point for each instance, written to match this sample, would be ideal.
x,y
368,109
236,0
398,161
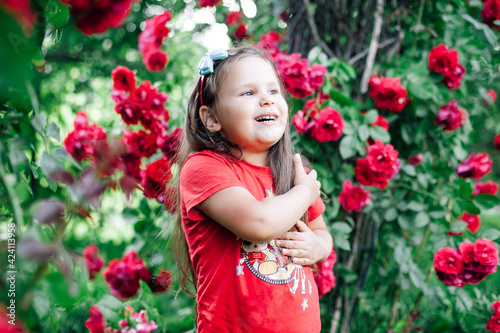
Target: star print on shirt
x,y
304,304
239,270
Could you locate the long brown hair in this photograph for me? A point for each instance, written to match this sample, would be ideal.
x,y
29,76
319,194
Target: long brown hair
x,y
197,138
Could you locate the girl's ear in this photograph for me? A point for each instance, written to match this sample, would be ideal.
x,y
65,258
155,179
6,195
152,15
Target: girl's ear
x,y
209,119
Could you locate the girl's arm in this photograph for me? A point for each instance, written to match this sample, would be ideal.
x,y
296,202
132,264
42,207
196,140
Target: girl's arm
x,y
260,221
308,245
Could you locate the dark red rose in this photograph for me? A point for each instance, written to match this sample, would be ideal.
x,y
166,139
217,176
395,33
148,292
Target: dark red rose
x,y
233,18
496,141
442,60
22,11
155,31
455,80
150,102
388,93
324,277
93,260
366,176
95,17
128,111
140,143
96,323
475,166
209,3
123,276
473,222
270,42
415,159
82,141
491,13
301,123
171,144
241,32
132,165
329,125
123,79
490,187
295,72
317,76
155,178
382,122
451,116
161,282
493,96
353,197
493,324
171,194
454,280
485,252
155,60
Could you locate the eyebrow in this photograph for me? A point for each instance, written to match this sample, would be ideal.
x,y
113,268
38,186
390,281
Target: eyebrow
x,y
250,84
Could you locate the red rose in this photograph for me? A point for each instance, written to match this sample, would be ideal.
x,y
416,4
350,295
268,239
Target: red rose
x,y
123,276
98,16
300,122
388,93
415,159
123,78
490,187
329,125
485,252
455,80
140,143
451,116
473,222
171,199
442,60
209,3
155,178
132,164
155,60
155,31
92,260
295,72
448,260
353,197
382,122
317,76
383,158
162,281
170,145
496,141
493,96
475,166
366,176
241,32
150,104
491,13
466,249
269,41
82,141
128,111
493,324
233,18
312,106
96,323
325,279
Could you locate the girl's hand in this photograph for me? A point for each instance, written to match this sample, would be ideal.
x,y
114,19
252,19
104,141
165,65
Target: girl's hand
x,y
304,245
308,181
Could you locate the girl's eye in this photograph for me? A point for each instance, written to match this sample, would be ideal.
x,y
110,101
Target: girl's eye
x,y
274,92
247,93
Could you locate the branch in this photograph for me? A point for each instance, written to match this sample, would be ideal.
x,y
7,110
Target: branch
x,y
314,30
377,26
362,54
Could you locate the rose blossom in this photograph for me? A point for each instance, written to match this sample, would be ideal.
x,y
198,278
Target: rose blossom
x,y
366,176
329,125
82,141
493,324
92,260
155,31
325,279
154,178
295,72
448,265
475,166
317,76
491,13
383,158
442,60
136,322
490,187
485,252
269,41
382,122
353,197
415,159
140,143
493,96
455,80
473,221
451,116
496,141
155,60
123,79
96,323
388,93
209,3
161,282
170,145
300,122
241,32
233,18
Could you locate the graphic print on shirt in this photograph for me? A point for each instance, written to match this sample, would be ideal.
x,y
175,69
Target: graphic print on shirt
x,y
266,261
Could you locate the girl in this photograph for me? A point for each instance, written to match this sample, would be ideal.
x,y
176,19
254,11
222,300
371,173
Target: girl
x,y
239,192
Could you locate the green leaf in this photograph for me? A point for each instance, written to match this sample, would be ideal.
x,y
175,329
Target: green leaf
x,y
391,214
421,87
422,219
415,206
465,190
38,122
458,226
378,133
491,234
340,99
57,13
469,207
347,147
363,132
50,164
53,131
340,232
486,201
371,116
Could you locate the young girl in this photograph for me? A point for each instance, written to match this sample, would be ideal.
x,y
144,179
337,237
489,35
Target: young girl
x,y
241,191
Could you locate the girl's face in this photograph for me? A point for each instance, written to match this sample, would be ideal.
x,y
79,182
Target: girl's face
x,y
253,113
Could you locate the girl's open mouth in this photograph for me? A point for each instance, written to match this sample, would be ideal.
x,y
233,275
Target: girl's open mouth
x,y
265,119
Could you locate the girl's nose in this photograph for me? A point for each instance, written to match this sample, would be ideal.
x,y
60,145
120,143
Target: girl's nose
x,y
265,101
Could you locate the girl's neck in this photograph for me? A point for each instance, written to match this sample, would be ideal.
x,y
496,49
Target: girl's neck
x,y
258,159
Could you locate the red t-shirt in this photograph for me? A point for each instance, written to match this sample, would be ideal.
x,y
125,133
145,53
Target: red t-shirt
x,y
242,286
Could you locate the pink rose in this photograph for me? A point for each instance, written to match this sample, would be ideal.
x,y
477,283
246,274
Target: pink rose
x,y
353,197
92,260
448,261
123,79
329,125
455,80
475,166
490,187
485,252
451,116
